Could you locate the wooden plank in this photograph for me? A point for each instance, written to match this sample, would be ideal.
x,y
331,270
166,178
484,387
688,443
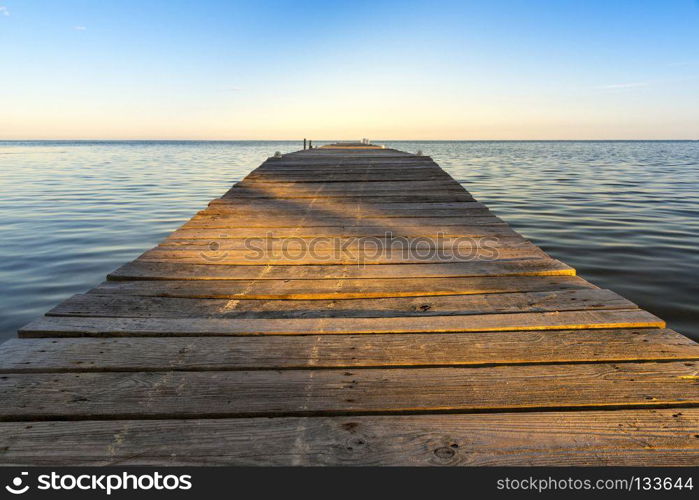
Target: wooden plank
x,y
397,196
252,186
347,173
385,223
343,351
319,244
344,232
347,288
640,438
271,204
174,394
391,184
60,326
339,209
357,169
435,185
330,212
385,197
148,270
355,183
349,158
339,177
301,256
354,153
113,305
365,195
358,165
350,164
360,172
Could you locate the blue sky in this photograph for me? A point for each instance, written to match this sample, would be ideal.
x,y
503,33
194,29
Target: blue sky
x,y
393,70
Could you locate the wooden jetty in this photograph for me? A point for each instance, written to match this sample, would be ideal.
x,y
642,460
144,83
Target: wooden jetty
x,y
348,305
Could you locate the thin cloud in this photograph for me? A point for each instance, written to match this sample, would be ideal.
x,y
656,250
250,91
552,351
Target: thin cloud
x,y
231,89
79,28
4,10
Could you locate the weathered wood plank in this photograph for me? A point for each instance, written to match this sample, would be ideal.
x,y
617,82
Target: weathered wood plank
x,y
346,166
386,174
340,177
345,232
336,196
173,394
406,200
359,255
640,438
341,208
350,153
372,196
356,167
114,305
343,351
73,326
320,244
328,211
384,223
148,270
349,186
328,179
270,204
408,186
347,288
349,166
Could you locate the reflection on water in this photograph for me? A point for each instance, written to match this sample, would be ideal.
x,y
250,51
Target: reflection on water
x,y
623,213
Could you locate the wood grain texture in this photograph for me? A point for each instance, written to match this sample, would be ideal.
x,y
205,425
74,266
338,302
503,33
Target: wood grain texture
x,y
212,394
337,198
449,192
382,205
114,305
58,326
318,246
145,270
625,437
247,187
301,286
341,220
340,177
379,206
339,210
343,351
344,232
358,256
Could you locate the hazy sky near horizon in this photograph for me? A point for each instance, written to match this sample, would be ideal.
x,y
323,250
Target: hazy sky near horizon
x,y
530,69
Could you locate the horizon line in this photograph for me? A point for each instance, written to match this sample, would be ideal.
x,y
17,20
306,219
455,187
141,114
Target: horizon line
x,y
344,140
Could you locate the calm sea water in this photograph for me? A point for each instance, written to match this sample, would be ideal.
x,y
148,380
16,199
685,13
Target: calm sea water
x,y
625,214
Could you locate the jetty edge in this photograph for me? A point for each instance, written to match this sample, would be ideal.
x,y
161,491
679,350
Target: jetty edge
x,y
348,305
